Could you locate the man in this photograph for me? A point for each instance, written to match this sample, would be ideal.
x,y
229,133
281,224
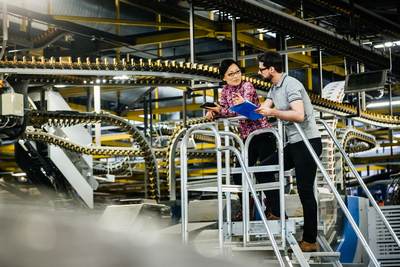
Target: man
x,y
292,104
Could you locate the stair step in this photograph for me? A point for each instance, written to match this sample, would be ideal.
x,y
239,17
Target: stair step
x,y
258,227
325,254
176,228
253,248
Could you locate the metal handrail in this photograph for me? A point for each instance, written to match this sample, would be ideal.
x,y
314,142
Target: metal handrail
x,y
257,202
184,191
360,180
337,195
279,141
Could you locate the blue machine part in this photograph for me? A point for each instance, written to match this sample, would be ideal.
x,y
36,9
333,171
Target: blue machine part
x,y
347,247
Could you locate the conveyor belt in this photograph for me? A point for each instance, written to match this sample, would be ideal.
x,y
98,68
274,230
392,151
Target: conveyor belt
x,y
262,16
65,118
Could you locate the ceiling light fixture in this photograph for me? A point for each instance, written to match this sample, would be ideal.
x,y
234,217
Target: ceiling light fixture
x,y
383,104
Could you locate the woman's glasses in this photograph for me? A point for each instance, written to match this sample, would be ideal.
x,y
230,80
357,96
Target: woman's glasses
x,y
234,73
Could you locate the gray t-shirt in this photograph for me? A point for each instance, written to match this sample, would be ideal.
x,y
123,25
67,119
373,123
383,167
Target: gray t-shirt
x,y
289,89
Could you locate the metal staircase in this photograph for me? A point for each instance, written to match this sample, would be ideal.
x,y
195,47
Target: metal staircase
x,y
274,238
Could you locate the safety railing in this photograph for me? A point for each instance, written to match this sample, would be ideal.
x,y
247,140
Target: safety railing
x,y
257,202
211,129
184,180
361,182
337,196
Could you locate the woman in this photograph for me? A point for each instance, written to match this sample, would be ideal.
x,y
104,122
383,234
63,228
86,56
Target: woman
x,y
235,92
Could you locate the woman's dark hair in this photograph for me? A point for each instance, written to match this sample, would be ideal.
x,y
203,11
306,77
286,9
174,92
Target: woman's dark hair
x,y
272,59
224,66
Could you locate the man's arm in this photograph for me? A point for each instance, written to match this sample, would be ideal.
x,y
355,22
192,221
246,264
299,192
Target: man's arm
x,y
295,114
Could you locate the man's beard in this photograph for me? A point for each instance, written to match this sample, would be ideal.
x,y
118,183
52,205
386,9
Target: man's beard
x,y
268,79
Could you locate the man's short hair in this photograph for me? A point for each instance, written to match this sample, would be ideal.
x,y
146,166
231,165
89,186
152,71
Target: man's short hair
x,y
272,59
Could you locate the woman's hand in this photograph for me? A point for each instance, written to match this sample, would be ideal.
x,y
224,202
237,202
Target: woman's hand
x,y
237,99
210,115
216,109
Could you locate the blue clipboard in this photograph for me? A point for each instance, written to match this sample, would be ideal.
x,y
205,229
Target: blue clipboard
x,y
247,109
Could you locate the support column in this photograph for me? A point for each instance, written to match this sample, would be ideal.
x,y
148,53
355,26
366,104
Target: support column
x,y
89,99
184,113
320,78
117,27
281,46
309,76
234,39
391,113
191,30
363,98
192,58
151,116
242,53
97,109
145,114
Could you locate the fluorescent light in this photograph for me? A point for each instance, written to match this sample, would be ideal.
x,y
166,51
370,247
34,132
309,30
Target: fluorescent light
x,y
383,104
60,86
19,174
272,34
122,77
389,44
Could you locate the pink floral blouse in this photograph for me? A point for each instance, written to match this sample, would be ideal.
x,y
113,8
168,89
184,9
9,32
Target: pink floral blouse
x,y
247,91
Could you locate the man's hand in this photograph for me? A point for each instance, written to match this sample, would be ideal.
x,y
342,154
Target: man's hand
x,y
237,99
265,111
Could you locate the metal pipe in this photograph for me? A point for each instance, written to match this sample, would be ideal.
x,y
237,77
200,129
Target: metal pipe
x,y
117,27
145,115
286,55
391,114
338,197
97,109
234,39
321,81
282,183
149,102
257,202
191,30
228,180
5,31
184,113
362,183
